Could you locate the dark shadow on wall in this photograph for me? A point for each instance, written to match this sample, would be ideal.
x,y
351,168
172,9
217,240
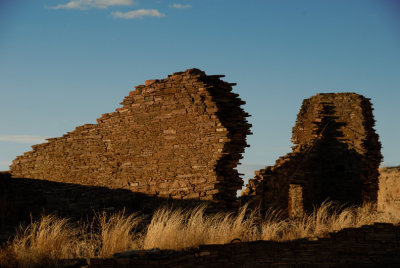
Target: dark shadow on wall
x,y
24,199
233,118
323,169
332,170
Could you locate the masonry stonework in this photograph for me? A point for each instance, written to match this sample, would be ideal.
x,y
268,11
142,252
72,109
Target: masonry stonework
x,y
336,156
389,190
179,137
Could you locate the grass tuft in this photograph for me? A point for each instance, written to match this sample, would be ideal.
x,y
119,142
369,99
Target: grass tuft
x,y
45,241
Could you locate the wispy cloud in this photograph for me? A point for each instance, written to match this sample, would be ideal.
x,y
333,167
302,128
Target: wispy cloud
x,y
86,4
23,138
179,6
137,14
5,163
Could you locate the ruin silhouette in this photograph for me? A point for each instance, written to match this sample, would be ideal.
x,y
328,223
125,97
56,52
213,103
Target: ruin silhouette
x,y
336,157
180,137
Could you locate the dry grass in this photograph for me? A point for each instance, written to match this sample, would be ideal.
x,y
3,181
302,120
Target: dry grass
x,y
44,242
7,258
174,229
49,239
117,234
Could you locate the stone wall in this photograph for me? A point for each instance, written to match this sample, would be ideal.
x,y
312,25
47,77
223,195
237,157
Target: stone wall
x,y
389,189
369,246
23,200
336,156
179,137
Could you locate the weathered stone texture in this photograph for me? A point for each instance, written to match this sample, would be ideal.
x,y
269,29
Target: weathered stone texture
x,y
336,156
178,137
389,189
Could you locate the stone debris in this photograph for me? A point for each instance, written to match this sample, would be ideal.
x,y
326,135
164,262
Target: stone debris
x,y
180,137
336,157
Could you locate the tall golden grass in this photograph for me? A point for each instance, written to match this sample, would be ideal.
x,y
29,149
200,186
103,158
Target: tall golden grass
x,y
45,241
175,229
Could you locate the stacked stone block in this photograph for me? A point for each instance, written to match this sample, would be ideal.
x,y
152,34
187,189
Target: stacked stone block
x,y
179,137
389,189
335,157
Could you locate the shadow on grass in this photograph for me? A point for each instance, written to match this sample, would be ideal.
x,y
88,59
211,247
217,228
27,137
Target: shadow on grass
x,y
22,200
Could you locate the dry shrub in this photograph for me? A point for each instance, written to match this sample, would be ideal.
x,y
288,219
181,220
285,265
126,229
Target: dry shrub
x,y
326,219
165,229
44,242
7,257
323,220
107,234
273,225
225,227
117,233
174,229
169,228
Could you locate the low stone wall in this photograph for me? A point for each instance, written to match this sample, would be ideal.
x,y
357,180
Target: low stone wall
x,y
369,246
336,156
179,137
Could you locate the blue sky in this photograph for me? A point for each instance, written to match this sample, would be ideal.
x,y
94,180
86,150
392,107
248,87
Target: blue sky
x,y
64,63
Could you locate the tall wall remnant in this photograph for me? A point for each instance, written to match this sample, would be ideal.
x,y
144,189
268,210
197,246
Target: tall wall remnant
x,y
178,137
336,156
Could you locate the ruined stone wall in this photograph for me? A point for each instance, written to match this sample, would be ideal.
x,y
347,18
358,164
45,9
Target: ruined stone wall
x,y
336,156
369,246
22,200
389,189
178,137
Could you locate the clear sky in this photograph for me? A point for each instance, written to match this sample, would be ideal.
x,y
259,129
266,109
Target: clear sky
x,y
65,62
